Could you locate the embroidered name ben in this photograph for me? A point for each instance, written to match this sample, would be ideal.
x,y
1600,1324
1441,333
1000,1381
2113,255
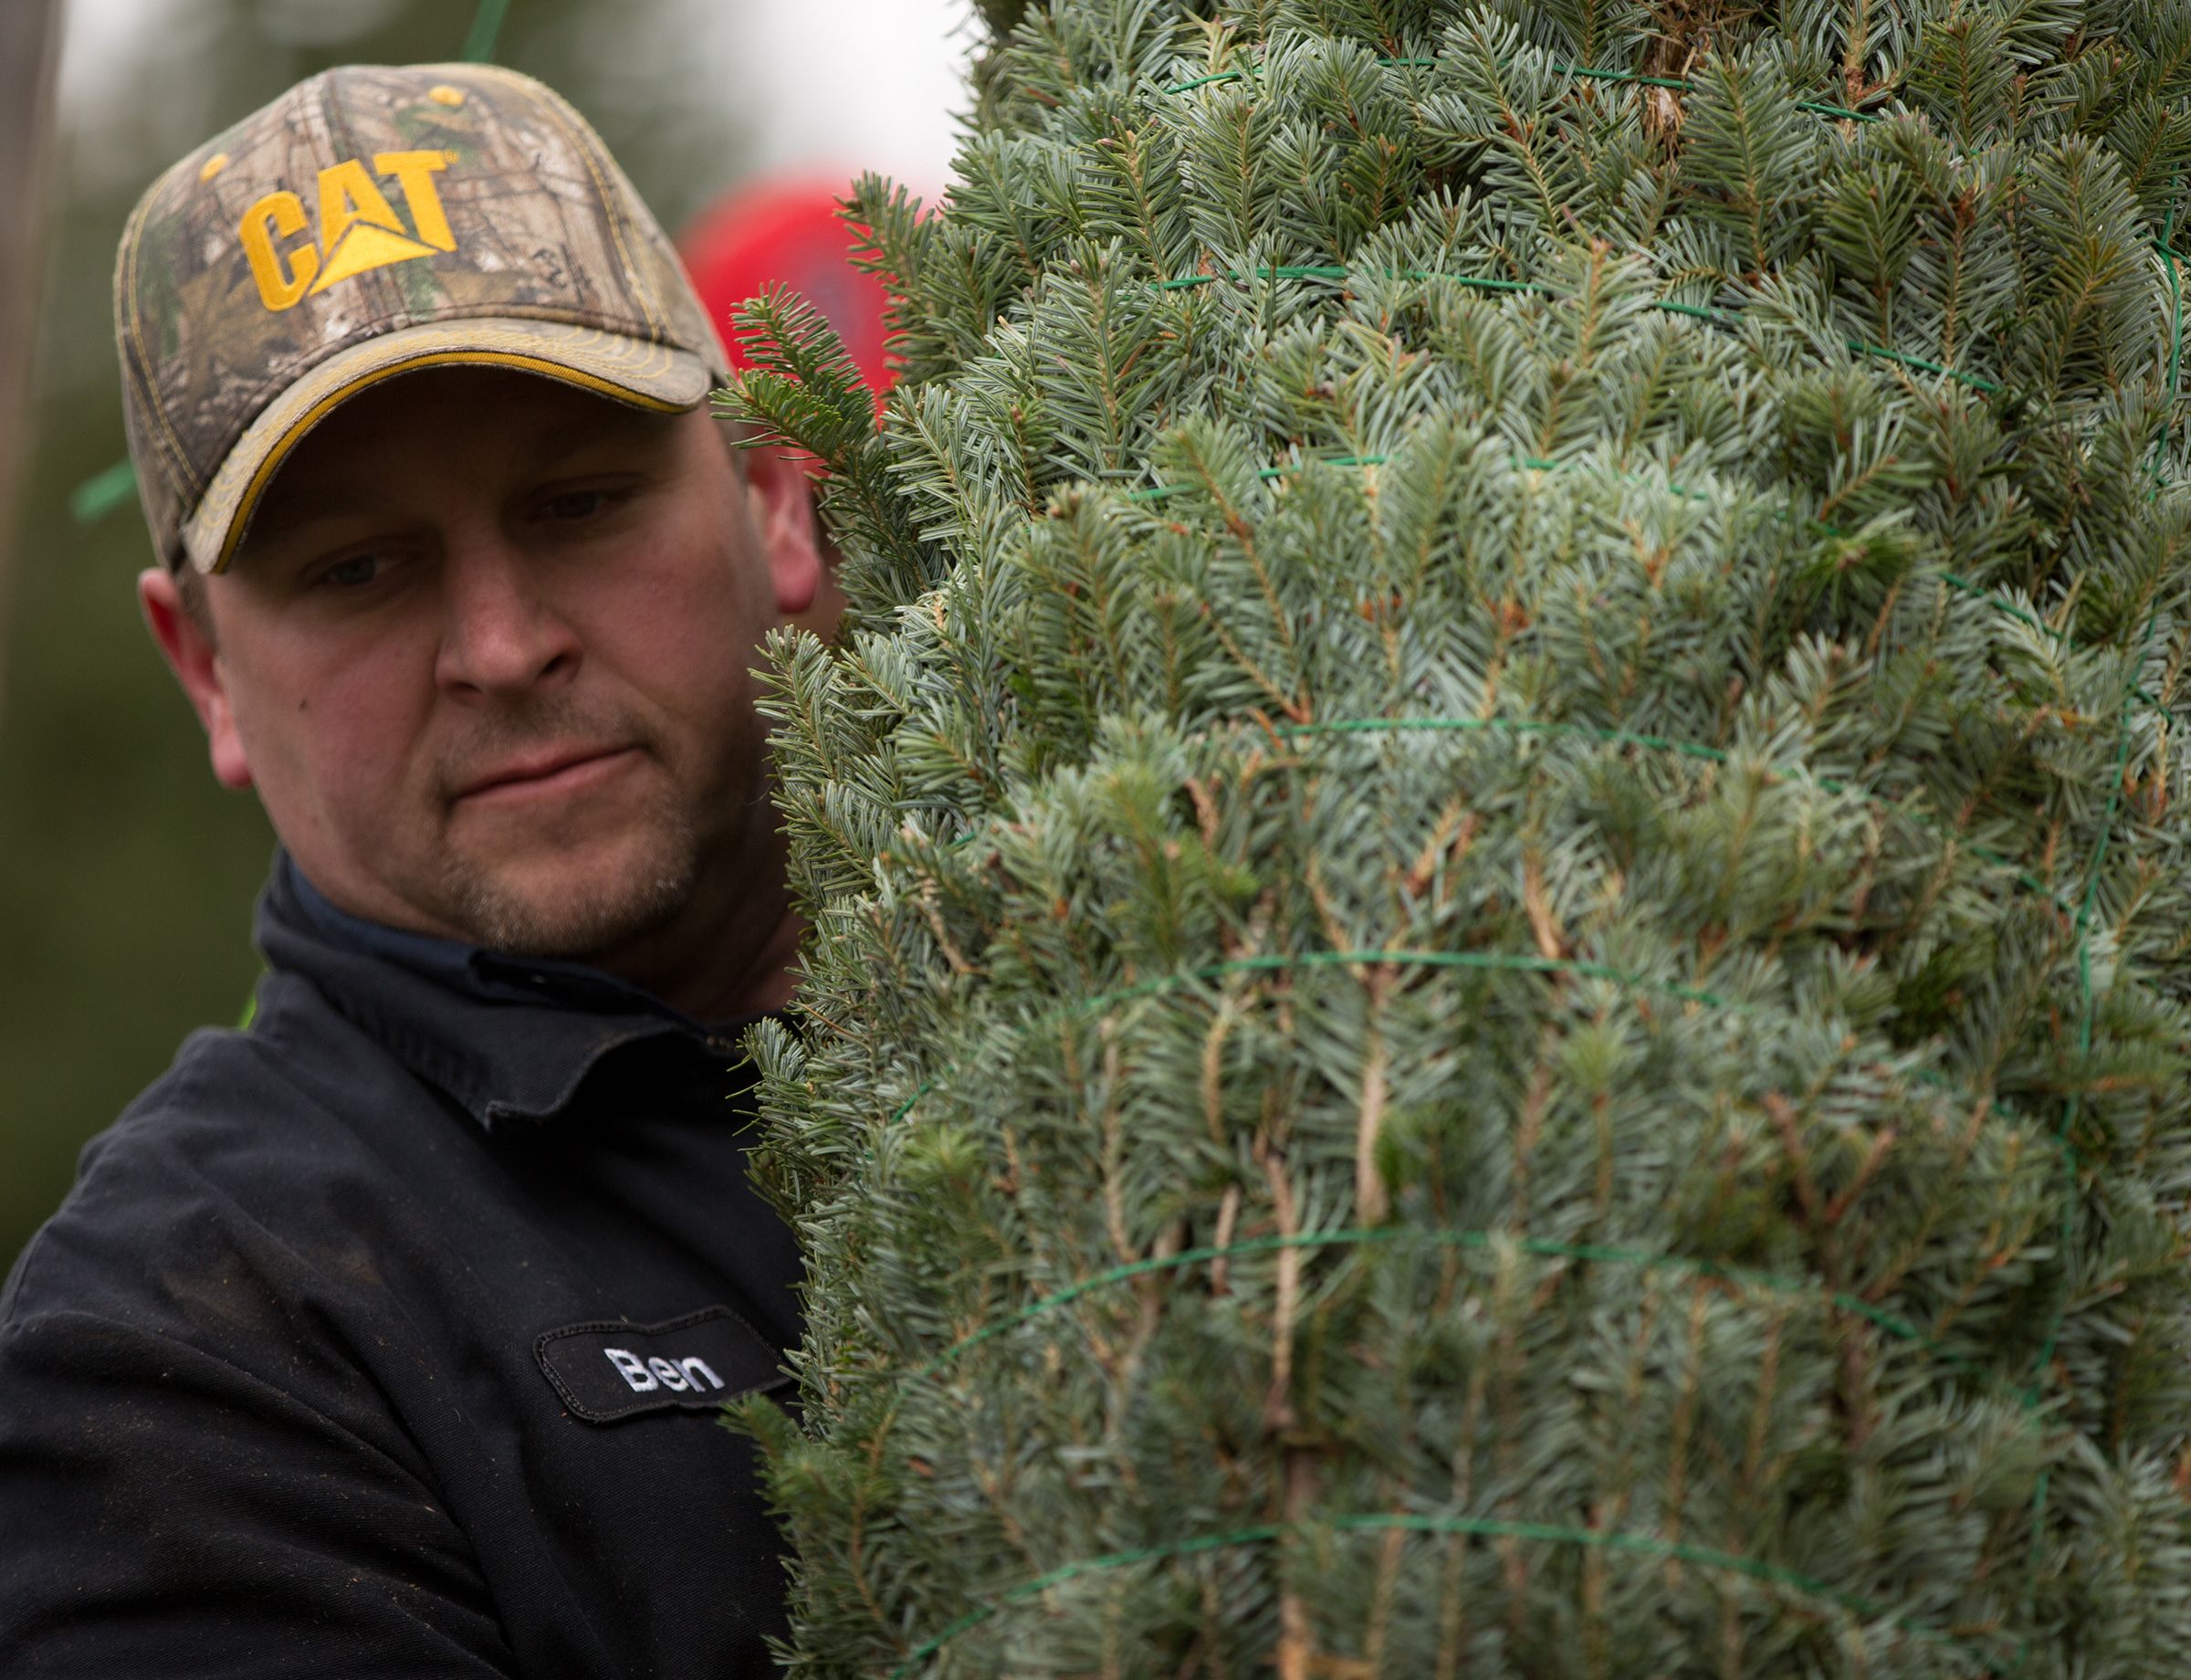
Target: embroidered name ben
x,y
359,230
612,1369
659,1372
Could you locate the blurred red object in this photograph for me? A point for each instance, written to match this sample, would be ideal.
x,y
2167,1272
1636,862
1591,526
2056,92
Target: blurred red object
x,y
786,233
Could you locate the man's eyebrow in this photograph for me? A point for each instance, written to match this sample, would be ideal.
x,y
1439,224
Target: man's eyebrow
x,y
293,513
557,444
550,447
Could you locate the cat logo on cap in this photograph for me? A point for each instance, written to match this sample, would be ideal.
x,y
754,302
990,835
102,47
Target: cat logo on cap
x,y
359,230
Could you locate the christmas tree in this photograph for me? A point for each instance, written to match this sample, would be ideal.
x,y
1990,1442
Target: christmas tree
x,y
1500,882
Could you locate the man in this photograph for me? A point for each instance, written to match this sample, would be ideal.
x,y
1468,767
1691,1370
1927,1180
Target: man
x,y
389,1335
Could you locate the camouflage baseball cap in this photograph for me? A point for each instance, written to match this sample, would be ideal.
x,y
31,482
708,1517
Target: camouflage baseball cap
x,y
372,221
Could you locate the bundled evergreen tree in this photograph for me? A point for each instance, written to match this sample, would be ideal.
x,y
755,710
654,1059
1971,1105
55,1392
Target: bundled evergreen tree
x,y
1502,919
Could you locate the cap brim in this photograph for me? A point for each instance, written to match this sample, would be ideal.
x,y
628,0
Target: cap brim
x,y
627,370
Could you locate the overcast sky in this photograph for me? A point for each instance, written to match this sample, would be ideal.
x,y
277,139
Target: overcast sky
x,y
896,69
835,85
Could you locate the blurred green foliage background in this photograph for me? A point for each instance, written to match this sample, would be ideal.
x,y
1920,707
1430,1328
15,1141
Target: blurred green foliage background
x,y
126,876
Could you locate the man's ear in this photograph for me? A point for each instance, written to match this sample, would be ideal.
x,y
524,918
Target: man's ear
x,y
196,662
790,539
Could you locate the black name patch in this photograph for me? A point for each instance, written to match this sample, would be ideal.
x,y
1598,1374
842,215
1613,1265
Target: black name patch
x,y
609,1372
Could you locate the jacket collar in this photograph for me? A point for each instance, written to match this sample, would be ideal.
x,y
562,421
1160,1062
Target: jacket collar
x,y
507,1038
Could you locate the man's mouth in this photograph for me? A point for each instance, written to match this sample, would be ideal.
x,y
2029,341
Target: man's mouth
x,y
543,775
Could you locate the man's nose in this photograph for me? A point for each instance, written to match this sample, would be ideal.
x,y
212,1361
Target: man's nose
x,y
502,634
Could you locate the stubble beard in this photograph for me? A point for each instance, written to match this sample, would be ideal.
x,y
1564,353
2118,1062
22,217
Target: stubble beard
x,y
512,905
577,921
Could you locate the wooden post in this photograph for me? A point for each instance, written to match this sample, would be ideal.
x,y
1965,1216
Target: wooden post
x,y
30,33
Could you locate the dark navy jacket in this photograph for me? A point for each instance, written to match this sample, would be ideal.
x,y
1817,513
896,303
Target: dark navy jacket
x,y
387,1337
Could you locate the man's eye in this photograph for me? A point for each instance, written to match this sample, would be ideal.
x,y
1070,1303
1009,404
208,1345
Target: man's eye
x,y
575,504
355,573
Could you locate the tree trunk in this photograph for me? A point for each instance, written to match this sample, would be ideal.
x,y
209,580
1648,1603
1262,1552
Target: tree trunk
x,y
30,33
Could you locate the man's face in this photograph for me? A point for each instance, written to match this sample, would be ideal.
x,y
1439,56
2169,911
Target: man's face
x,y
484,656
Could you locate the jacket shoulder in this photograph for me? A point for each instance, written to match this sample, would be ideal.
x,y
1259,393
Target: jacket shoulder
x,y
198,1474
219,1175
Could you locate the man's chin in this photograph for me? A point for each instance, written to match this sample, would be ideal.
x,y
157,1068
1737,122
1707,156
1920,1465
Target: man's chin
x,y
572,906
